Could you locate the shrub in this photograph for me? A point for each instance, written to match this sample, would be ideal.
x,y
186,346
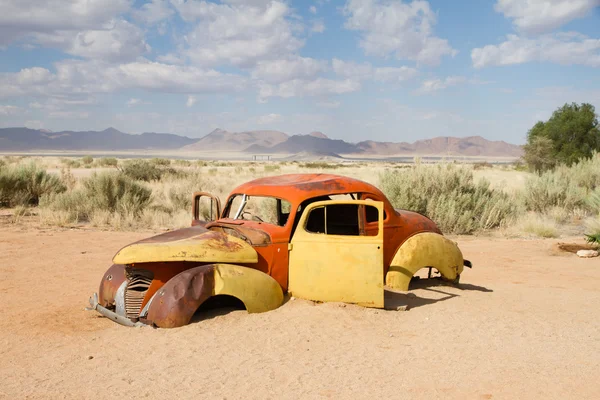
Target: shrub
x,y
160,162
594,226
116,193
447,194
25,184
109,192
565,187
87,160
272,167
143,170
319,165
182,163
108,162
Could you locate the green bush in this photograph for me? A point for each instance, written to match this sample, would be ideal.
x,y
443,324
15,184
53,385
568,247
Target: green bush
x,y
320,165
564,187
25,184
160,162
108,191
594,203
87,160
448,195
271,167
108,162
144,170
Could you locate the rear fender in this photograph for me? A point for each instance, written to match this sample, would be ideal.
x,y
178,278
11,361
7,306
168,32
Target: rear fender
x,y
176,302
423,250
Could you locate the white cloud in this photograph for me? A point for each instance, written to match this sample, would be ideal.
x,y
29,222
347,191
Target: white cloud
x,y
239,33
538,16
21,18
393,74
434,85
117,41
278,71
9,110
69,114
78,78
316,87
394,27
154,12
318,26
133,102
33,124
561,48
191,100
367,71
312,9
269,119
328,104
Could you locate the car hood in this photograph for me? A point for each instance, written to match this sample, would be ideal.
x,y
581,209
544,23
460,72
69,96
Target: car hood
x,y
194,244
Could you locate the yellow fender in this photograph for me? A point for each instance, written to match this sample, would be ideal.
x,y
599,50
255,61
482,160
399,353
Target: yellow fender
x,y
258,291
421,251
177,301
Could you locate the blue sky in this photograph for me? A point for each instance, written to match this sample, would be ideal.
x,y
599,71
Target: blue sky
x,y
385,70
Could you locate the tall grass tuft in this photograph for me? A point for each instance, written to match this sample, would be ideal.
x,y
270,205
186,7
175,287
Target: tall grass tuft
x,y
106,192
564,187
25,184
447,194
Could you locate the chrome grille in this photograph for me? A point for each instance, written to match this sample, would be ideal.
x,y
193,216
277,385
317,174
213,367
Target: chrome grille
x,y
138,282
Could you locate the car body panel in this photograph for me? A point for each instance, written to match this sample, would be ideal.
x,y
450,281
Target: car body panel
x,y
325,267
176,302
424,250
206,246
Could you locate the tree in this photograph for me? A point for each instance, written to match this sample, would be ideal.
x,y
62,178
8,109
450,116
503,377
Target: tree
x,y
539,153
574,133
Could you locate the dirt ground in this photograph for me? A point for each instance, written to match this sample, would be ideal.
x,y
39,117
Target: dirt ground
x,y
524,323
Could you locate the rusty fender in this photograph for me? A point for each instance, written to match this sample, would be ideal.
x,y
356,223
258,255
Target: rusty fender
x,y
177,301
111,281
423,250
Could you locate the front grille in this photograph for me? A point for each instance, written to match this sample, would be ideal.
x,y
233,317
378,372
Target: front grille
x,y
138,282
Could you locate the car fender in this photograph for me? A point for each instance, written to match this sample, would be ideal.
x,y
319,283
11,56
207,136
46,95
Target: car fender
x,y
109,285
176,302
426,249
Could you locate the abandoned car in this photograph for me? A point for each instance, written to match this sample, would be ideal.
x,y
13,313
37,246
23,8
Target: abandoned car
x,y
319,237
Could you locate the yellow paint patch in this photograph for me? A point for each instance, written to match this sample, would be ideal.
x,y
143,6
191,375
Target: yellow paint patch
x,y
258,291
337,268
206,247
420,251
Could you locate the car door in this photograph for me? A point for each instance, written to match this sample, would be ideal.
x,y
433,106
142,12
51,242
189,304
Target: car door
x,y
329,258
205,208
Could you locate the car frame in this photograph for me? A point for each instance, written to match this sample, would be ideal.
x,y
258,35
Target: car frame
x,y
316,247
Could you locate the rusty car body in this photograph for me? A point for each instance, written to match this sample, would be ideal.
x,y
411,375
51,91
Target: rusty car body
x,y
320,237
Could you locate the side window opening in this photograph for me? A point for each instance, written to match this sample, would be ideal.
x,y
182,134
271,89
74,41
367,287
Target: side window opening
x,y
338,219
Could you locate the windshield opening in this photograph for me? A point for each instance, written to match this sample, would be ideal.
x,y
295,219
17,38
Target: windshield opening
x,y
269,210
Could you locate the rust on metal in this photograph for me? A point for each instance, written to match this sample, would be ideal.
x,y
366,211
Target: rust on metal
x,y
110,283
177,301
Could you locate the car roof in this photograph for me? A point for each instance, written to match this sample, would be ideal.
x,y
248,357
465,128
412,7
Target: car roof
x,y
298,187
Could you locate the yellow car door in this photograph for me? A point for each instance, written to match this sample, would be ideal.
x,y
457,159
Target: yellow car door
x,y
331,258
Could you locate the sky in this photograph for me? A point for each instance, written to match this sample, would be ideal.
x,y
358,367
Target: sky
x,y
386,70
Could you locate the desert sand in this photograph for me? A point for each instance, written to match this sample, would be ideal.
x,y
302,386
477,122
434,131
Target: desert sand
x,y
524,323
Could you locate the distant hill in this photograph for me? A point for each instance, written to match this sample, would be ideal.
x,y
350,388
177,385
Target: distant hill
x,y
253,142
24,139
468,146
222,140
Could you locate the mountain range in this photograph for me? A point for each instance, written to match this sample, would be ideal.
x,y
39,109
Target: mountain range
x,y
251,142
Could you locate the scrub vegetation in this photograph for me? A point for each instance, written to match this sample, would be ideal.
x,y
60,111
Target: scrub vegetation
x,y
156,193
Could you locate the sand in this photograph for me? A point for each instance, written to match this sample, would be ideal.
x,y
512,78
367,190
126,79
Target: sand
x,y
524,324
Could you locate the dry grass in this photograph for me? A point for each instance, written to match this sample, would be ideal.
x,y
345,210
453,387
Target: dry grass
x,y
460,198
